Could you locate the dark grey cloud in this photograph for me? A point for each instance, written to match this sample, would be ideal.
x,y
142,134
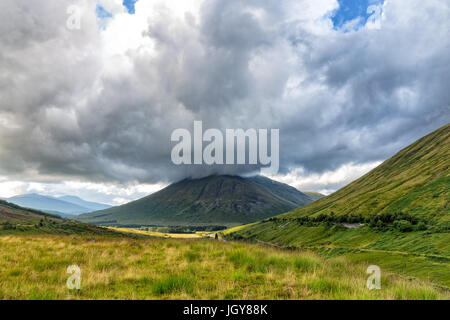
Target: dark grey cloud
x,y
71,109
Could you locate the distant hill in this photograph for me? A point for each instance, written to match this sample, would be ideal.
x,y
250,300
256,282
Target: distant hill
x,y
314,195
12,213
65,206
92,206
215,200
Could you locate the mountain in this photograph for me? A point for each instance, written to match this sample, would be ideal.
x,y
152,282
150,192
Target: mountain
x,y
214,200
416,180
92,206
66,206
397,216
282,190
314,195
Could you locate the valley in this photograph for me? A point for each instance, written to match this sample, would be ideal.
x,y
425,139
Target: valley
x,y
396,217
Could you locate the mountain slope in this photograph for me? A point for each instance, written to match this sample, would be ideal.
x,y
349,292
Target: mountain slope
x,y
416,180
12,213
65,206
397,216
215,200
283,190
16,220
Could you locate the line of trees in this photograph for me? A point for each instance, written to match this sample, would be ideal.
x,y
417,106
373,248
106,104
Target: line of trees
x,y
385,221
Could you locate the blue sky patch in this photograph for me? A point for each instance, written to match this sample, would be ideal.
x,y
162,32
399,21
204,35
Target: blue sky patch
x,y
129,4
102,13
350,10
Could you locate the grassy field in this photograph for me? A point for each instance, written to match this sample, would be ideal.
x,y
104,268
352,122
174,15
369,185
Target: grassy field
x,y
412,254
34,267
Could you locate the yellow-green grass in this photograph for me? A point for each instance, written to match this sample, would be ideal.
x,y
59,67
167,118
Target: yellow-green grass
x,y
419,254
34,267
235,229
196,235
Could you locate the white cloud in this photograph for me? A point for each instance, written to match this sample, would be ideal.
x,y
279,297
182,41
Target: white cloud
x,y
328,181
98,105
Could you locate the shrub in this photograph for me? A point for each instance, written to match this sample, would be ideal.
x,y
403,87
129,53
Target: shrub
x,y
421,226
403,225
8,226
380,225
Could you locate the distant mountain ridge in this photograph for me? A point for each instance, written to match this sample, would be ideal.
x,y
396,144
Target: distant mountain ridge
x,y
93,206
65,206
214,200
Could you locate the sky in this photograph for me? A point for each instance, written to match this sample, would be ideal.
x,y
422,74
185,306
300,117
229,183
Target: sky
x,y
129,4
90,111
354,14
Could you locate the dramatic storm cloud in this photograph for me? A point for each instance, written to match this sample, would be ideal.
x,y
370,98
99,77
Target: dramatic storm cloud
x,y
98,104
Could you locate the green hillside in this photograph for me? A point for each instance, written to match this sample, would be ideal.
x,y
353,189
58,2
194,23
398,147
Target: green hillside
x,y
396,216
16,220
210,201
12,213
416,181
